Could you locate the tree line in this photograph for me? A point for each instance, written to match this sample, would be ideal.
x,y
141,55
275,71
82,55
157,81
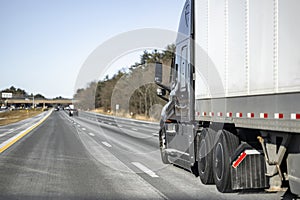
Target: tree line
x,y
131,91
21,93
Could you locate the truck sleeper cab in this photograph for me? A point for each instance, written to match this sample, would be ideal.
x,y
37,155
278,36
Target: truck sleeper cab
x,y
233,116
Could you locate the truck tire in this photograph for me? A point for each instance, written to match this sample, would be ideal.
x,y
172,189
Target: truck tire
x,y
205,156
225,145
163,146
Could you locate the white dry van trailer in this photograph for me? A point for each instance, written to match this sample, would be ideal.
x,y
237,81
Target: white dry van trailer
x,y
233,110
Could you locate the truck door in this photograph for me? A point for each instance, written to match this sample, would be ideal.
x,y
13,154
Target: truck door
x,y
183,106
182,139
184,89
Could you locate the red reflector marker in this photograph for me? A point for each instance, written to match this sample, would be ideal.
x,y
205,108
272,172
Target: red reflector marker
x,y
239,160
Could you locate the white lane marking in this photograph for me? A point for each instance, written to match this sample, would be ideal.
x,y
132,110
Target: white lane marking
x,y
120,126
92,134
78,125
83,129
144,169
155,134
106,144
110,123
134,129
145,125
13,129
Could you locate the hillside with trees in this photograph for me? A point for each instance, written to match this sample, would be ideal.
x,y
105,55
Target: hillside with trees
x,y
128,92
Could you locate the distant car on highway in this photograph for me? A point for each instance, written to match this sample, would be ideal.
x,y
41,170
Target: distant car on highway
x,y
3,107
73,112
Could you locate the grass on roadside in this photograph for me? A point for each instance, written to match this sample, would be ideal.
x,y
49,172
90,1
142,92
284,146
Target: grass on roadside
x,y
126,115
13,116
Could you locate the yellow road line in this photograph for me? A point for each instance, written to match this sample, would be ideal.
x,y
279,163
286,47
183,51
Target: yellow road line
x,y
13,140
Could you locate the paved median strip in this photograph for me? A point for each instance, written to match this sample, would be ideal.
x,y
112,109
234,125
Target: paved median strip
x,y
8,143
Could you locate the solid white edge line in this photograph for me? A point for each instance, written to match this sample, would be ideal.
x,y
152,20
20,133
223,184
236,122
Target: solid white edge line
x,y
145,169
106,144
11,141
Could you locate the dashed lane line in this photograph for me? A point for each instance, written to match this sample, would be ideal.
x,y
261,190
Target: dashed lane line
x,y
106,144
145,169
92,134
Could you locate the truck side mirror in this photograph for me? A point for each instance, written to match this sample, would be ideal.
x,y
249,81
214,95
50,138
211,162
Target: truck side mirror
x,y
158,72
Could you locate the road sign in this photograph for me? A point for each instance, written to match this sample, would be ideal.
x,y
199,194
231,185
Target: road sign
x,y
6,95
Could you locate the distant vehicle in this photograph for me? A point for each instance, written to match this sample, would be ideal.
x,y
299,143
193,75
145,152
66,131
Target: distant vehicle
x,y
12,107
56,109
233,115
72,111
3,107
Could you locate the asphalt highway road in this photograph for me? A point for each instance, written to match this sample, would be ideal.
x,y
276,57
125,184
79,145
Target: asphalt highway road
x,y
91,157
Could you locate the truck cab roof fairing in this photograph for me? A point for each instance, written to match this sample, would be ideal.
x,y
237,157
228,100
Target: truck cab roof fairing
x,y
185,25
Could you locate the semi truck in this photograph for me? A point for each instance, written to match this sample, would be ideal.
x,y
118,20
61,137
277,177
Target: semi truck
x,y
232,115
73,111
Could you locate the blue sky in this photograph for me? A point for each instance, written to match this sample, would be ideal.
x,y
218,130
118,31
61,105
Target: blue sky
x,y
43,43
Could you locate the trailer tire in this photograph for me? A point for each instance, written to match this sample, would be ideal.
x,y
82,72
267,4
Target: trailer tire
x,y
225,145
205,156
163,146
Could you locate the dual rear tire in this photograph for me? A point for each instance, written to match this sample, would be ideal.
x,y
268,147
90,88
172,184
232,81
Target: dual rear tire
x,y
214,158
205,156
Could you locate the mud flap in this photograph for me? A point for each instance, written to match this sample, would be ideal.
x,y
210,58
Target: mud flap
x,y
248,169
